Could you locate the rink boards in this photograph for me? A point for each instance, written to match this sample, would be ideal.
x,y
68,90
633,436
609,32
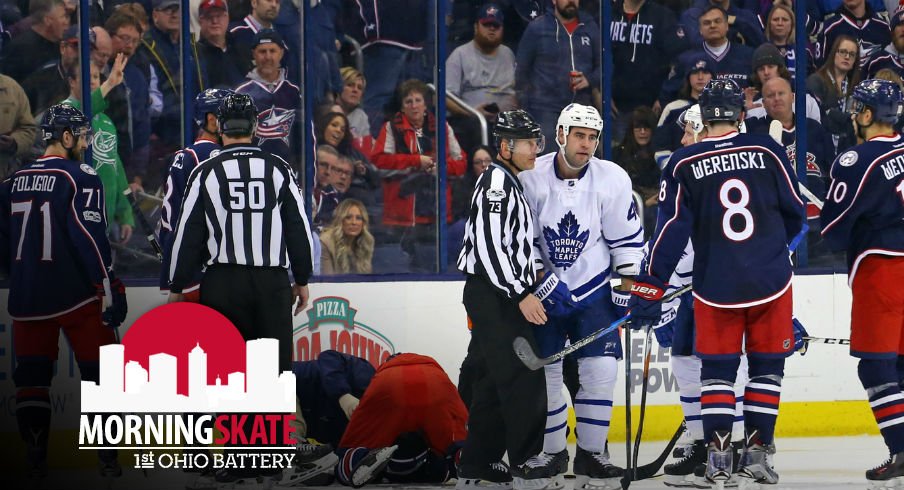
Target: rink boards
x,y
821,393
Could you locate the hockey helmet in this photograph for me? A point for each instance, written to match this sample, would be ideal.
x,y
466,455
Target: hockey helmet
x,y
237,115
516,125
61,118
721,100
883,97
693,117
579,116
207,102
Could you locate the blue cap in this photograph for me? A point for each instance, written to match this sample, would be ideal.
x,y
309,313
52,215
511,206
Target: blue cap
x,y
490,13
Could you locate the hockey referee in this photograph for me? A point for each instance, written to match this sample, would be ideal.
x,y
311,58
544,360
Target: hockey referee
x,y
508,405
243,218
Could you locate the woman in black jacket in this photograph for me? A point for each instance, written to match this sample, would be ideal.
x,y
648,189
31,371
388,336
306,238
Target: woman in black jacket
x,y
832,85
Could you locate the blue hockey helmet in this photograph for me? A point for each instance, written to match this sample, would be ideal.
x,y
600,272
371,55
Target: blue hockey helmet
x,y
882,97
207,102
721,100
61,118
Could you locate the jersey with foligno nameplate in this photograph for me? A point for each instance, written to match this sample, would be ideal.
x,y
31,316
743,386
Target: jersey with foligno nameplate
x,y
584,226
864,208
53,240
183,163
735,196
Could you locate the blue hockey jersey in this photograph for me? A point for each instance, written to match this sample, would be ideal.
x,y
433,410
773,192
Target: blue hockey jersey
x,y
736,197
183,163
278,106
864,210
53,238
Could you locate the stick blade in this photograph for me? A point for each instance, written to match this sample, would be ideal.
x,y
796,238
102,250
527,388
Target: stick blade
x,y
526,353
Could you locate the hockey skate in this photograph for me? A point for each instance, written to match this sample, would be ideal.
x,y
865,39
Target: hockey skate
x,y
889,474
495,476
541,472
756,462
314,463
719,459
594,471
681,472
683,445
371,466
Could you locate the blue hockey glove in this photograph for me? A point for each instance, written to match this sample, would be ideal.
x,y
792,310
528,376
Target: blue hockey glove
x,y
645,305
665,329
800,345
116,312
620,301
554,294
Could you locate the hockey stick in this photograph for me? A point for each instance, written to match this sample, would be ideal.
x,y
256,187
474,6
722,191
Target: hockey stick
x,y
650,469
775,132
826,340
627,476
145,226
527,355
647,349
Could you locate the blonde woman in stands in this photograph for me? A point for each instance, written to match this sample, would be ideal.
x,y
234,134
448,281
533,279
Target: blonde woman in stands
x,y
347,245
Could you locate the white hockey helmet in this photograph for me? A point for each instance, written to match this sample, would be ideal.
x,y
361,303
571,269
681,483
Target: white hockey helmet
x,y
581,116
693,116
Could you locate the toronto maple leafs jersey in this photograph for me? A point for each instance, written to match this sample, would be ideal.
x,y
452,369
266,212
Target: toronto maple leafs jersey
x,y
584,226
864,208
736,197
278,105
53,238
183,163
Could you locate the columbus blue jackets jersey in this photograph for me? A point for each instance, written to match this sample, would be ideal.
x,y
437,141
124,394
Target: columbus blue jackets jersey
x,y
736,197
183,163
864,209
585,226
278,106
53,237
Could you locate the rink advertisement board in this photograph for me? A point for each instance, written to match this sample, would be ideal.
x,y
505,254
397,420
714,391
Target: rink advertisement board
x,y
374,320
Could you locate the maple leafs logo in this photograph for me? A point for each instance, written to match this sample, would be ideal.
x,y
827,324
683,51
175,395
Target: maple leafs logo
x,y
566,243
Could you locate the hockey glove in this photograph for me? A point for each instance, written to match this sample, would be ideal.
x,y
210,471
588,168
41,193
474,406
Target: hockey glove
x,y
665,329
620,301
554,294
645,305
800,345
115,313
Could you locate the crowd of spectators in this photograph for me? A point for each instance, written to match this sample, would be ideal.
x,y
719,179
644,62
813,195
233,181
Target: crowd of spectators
x,y
374,119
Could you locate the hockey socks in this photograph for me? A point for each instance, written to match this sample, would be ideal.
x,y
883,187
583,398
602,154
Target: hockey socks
x,y
687,374
717,396
762,396
33,417
593,403
880,379
554,438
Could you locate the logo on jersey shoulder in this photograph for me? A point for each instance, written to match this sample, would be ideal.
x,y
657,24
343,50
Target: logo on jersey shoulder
x,y
848,159
214,153
495,194
566,243
88,169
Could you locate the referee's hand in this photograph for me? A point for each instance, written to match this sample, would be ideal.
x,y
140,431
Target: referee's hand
x,y
300,293
532,309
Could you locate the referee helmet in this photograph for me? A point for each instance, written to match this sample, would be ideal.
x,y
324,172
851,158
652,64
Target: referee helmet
x,y
237,115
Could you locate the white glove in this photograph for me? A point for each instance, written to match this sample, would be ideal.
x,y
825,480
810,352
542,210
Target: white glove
x,y
348,403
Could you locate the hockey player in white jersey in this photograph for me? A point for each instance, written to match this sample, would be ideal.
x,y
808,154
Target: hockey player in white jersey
x,y
586,226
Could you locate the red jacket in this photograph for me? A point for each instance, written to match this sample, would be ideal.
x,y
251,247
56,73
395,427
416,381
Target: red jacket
x,y
396,153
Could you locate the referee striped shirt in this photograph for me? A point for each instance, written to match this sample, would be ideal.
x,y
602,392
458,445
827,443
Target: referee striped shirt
x,y
243,207
498,242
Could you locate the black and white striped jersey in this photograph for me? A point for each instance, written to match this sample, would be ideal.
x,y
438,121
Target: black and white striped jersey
x,y
244,207
498,241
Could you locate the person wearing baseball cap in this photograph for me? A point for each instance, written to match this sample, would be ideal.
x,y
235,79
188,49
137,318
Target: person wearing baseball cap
x,y
698,71
225,66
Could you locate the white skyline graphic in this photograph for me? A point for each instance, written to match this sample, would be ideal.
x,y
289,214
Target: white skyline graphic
x,y
128,387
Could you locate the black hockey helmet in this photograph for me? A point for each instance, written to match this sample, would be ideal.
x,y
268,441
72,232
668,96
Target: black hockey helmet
x,y
237,115
517,124
721,100
61,118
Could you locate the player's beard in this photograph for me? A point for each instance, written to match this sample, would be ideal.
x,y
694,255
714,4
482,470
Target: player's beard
x,y
75,154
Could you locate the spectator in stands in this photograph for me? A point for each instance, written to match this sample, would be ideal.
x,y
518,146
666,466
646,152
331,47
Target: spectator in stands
x,y
558,62
857,19
48,85
105,148
764,12
349,99
130,101
729,60
832,84
393,34
347,247
263,13
645,38
669,132
17,126
780,32
890,57
102,47
39,45
635,155
406,151
768,63
226,67
482,72
276,98
332,129
743,26
325,194
463,189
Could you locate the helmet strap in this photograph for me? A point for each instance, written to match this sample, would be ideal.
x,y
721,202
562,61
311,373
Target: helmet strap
x,y
568,164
